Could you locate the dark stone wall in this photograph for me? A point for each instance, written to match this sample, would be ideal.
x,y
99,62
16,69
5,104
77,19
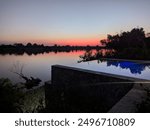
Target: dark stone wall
x,y
78,90
73,76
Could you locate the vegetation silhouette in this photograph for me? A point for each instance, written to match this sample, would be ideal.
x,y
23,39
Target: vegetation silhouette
x,y
9,96
16,99
134,44
29,48
29,82
102,53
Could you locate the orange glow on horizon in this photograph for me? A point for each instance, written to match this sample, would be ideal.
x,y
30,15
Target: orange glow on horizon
x,y
82,41
75,42
78,42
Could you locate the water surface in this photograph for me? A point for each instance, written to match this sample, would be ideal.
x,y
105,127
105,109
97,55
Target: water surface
x,y
40,65
36,65
125,68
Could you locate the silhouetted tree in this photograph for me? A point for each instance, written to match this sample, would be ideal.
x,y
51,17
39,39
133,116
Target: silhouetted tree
x,y
29,44
133,39
35,45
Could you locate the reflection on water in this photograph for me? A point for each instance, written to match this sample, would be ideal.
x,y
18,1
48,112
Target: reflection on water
x,y
122,67
40,65
126,68
36,65
135,68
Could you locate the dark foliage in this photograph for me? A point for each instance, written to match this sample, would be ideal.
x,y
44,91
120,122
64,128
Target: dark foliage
x,y
134,44
9,96
133,39
20,49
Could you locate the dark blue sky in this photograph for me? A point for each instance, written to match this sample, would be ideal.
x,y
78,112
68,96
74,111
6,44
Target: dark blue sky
x,y
70,21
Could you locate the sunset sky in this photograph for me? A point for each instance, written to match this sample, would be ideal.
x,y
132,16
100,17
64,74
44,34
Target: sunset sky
x,y
69,22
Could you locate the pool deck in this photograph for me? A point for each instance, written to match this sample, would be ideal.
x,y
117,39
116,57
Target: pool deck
x,y
132,101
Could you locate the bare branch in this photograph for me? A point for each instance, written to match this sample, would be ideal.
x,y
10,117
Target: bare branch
x,y
18,69
30,82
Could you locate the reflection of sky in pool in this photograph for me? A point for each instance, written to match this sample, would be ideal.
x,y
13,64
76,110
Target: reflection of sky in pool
x,y
134,68
126,68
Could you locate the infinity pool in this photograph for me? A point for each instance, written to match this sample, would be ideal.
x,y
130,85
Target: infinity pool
x,y
124,68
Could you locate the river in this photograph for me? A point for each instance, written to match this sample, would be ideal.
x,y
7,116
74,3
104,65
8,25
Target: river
x,y
40,65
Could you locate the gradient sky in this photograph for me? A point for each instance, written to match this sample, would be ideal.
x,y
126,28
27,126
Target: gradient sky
x,y
74,22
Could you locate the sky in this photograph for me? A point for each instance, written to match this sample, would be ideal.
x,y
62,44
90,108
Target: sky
x,y
69,22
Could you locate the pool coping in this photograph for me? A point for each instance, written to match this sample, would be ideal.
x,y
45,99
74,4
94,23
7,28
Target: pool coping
x,y
114,59
132,79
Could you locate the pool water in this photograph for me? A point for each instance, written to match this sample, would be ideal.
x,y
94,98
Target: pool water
x,y
124,68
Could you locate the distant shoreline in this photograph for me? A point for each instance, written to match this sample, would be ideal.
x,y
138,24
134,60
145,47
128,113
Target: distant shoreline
x,y
30,49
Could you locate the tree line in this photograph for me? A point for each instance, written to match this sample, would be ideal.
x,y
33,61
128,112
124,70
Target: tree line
x,y
136,38
29,48
134,44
